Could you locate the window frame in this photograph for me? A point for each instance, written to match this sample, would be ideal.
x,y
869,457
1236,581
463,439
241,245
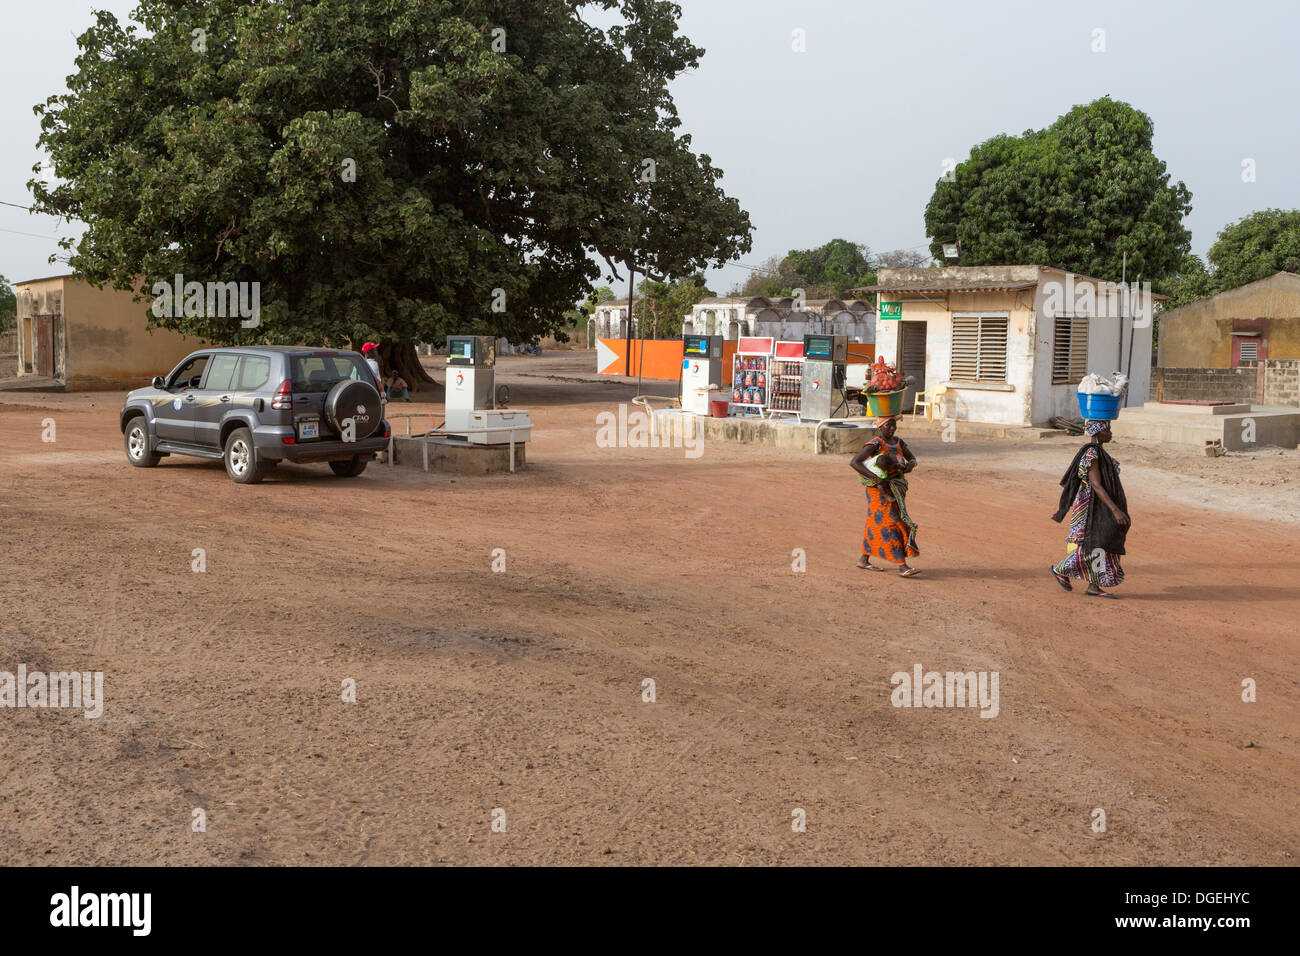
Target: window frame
x,y
981,318
1072,361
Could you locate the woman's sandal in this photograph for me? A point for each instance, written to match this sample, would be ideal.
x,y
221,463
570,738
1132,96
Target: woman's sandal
x,y
909,573
1102,594
1061,579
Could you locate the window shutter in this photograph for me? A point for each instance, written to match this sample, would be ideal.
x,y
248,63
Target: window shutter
x,y
1250,351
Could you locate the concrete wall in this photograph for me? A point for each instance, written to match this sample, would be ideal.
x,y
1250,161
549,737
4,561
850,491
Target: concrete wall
x,y
1272,383
1199,335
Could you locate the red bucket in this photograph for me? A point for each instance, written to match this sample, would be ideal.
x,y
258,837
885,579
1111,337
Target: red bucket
x,y
719,409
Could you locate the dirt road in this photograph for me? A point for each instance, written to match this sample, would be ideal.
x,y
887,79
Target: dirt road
x,y
521,691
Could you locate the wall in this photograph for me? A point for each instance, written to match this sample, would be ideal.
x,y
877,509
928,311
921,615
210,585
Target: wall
x,y
1277,383
1006,404
1106,353
109,342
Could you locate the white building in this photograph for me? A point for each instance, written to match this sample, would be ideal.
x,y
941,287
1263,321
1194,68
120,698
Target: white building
x,y
1010,343
732,317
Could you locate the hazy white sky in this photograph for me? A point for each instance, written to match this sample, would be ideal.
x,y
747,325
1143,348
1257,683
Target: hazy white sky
x,y
847,139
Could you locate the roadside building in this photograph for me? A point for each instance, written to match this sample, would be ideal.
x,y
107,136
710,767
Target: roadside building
x,y
1009,344
609,320
734,316
1242,345
73,335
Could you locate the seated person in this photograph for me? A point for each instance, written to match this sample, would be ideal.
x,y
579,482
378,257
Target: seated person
x,y
397,387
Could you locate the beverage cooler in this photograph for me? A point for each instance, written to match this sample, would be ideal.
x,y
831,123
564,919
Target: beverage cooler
x,y
786,379
750,373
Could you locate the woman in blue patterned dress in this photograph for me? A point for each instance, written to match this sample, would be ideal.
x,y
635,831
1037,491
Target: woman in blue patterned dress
x,y
1097,508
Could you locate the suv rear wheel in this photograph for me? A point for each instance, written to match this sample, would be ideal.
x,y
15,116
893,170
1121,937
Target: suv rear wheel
x,y
136,441
241,458
348,468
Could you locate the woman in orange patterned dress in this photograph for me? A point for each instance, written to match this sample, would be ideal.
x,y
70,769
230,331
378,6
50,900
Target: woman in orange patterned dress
x,y
890,533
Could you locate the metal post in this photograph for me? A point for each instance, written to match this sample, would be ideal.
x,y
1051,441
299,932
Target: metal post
x,y
631,291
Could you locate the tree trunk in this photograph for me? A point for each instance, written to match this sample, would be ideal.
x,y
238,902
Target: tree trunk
x,y
402,357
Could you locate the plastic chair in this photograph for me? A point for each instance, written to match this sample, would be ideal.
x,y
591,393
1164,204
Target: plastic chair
x,y
931,400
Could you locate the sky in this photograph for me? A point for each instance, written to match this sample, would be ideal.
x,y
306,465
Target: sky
x,y
846,138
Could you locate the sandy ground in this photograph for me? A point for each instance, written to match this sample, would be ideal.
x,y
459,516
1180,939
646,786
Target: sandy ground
x,y
522,691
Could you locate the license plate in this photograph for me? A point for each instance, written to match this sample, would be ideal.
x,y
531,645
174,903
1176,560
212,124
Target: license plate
x,y
309,429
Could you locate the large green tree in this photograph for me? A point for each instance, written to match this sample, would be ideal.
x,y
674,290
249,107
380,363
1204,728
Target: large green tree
x,y
1078,195
390,170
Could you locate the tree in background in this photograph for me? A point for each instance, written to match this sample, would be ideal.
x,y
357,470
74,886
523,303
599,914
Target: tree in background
x,y
1077,195
828,271
391,171
823,272
662,306
8,306
1255,247
579,316
1252,248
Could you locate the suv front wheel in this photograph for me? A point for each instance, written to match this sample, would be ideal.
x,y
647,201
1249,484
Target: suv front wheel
x,y
136,441
241,458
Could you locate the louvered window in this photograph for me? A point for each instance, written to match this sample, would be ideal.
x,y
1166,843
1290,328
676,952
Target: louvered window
x,y
1070,350
979,348
1250,351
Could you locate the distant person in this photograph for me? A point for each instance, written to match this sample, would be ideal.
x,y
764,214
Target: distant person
x,y
397,387
890,533
1098,511
371,351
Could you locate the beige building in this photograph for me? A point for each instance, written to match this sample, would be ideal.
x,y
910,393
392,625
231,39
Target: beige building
x,y
1009,344
88,338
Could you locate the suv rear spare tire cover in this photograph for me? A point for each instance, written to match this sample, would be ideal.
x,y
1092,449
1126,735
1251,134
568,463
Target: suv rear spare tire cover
x,y
357,401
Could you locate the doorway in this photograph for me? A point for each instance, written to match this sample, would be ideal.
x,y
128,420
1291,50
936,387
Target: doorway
x,y
45,345
911,358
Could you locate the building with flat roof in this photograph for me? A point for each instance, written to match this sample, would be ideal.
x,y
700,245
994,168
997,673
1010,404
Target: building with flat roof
x,y
1009,344
80,337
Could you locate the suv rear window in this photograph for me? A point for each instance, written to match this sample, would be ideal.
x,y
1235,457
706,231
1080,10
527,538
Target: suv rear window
x,y
319,373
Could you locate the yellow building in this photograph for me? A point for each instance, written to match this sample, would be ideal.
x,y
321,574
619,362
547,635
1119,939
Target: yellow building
x,y
1255,322
82,337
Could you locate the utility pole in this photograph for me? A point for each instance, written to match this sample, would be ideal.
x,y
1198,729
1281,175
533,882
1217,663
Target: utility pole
x,y
631,282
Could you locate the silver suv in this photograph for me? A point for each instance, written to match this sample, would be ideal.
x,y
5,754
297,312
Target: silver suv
x,y
255,407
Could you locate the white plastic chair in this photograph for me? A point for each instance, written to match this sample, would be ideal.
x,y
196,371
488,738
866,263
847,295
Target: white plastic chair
x,y
931,400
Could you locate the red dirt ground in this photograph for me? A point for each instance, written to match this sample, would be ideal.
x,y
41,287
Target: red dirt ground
x,y
522,690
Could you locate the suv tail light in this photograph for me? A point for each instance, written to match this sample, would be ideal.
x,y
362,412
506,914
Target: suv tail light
x,y
283,400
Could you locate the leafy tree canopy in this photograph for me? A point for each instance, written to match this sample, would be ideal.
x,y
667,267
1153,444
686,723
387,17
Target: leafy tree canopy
x,y
828,271
1253,248
661,306
384,170
1076,195
8,305
1256,247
